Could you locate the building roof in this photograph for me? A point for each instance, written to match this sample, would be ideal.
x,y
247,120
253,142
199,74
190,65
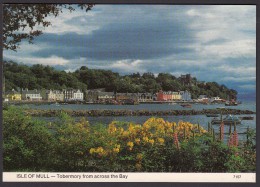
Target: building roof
x,y
105,93
12,92
31,91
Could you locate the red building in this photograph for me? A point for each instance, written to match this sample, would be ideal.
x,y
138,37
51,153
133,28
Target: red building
x,y
161,96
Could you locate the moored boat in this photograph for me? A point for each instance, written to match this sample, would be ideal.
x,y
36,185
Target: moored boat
x,y
247,118
186,105
229,119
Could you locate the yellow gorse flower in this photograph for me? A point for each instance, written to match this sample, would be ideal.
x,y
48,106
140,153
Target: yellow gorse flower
x,y
137,141
145,139
112,128
130,145
160,141
151,141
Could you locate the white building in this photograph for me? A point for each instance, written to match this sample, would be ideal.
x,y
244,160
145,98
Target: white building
x,y
215,99
185,95
78,95
32,95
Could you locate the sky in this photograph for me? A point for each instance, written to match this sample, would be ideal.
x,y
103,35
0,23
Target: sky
x,y
211,42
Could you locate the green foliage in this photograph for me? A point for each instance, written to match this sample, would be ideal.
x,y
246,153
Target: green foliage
x,y
46,77
21,20
27,143
66,145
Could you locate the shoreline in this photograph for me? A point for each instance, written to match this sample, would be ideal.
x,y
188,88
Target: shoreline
x,y
97,113
24,102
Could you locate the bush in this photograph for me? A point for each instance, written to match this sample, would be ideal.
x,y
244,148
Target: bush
x,y
155,146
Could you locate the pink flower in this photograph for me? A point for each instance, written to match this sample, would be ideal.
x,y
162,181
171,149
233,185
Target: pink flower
x,y
176,141
235,138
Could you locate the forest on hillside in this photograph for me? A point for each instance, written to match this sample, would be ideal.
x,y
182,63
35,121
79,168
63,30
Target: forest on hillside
x,y
17,76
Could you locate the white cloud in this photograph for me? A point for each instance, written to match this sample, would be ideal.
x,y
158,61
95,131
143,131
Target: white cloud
x,y
127,66
231,29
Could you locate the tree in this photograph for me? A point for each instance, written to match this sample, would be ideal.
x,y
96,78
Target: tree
x,y
21,21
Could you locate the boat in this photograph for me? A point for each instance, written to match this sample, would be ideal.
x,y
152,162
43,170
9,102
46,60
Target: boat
x,y
172,103
212,115
247,118
229,119
186,105
229,103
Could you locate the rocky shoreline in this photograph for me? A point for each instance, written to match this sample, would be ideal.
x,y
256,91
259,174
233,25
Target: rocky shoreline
x,y
96,113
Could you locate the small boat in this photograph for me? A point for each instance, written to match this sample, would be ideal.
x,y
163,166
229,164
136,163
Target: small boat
x,y
247,118
186,105
229,119
229,103
212,115
172,103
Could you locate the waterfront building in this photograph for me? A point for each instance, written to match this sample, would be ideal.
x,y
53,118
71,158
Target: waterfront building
x,y
59,95
92,95
13,96
31,95
51,96
203,98
68,94
168,96
106,95
78,95
145,97
122,96
55,95
185,95
133,96
73,95
215,100
161,96
176,96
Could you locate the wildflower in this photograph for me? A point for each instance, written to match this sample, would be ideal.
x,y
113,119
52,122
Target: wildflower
x,y
139,157
137,141
145,139
112,128
235,138
130,145
151,141
161,141
176,141
131,128
116,150
100,151
91,151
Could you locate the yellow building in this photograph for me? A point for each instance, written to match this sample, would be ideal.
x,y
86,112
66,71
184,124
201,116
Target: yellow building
x,y
176,96
13,96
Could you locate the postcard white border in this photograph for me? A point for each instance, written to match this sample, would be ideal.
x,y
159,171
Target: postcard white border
x,y
128,177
